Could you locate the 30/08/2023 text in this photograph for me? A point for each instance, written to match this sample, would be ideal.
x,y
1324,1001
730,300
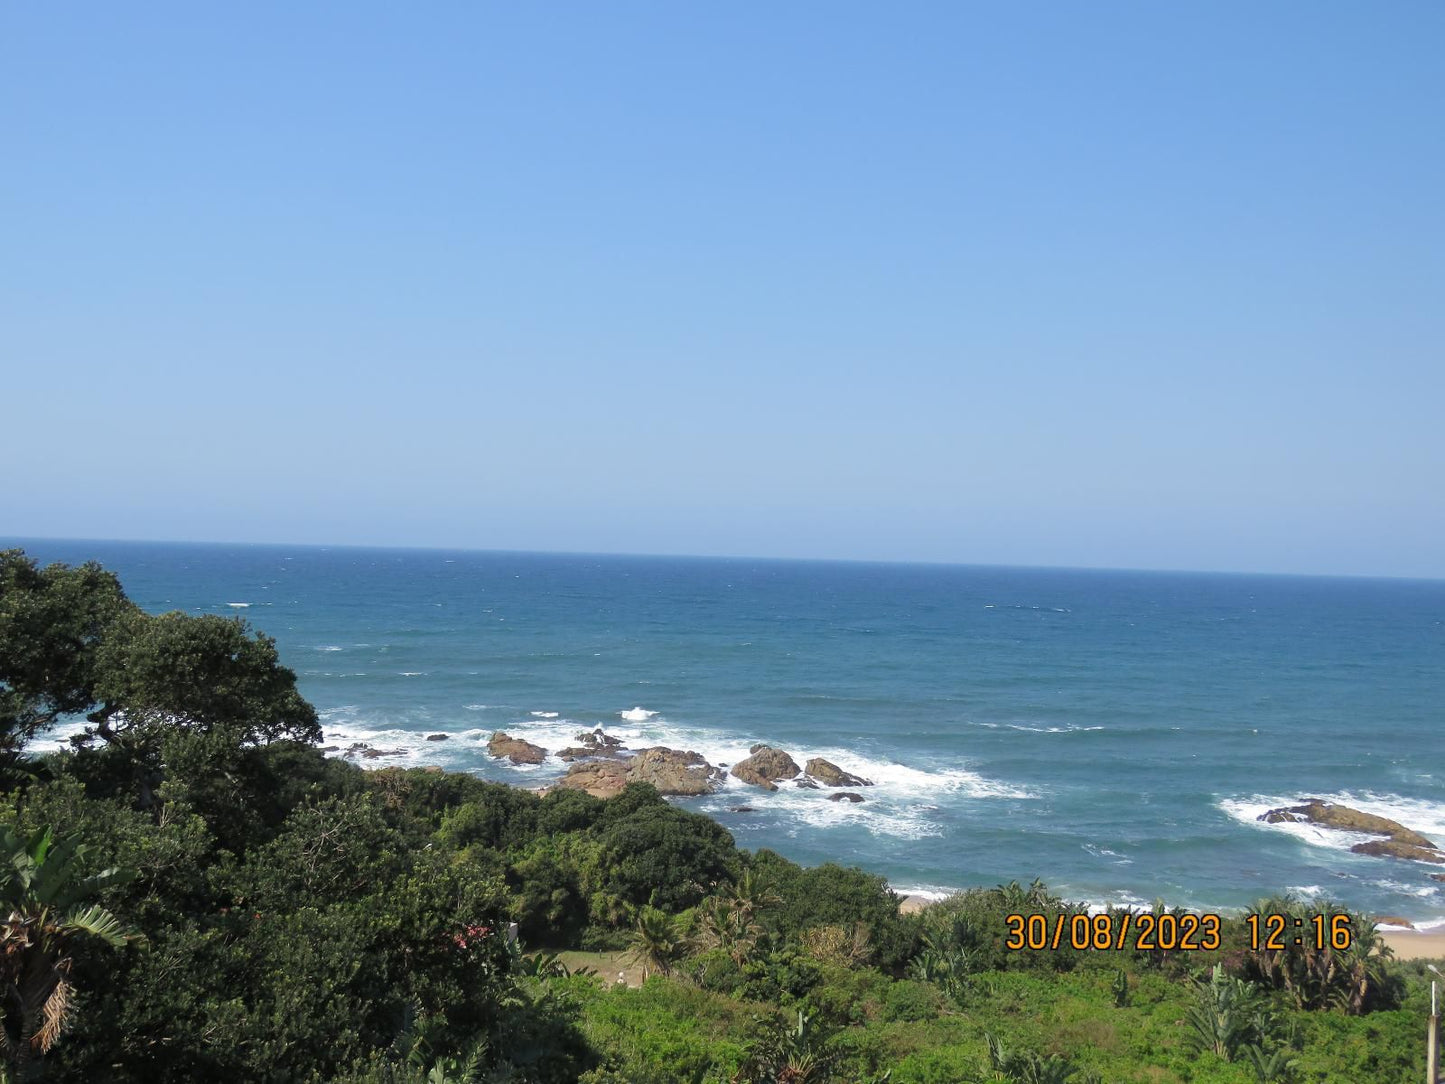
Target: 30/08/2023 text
x,y
1171,932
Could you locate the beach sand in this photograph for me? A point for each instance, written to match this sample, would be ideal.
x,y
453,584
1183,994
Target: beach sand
x,y
1416,945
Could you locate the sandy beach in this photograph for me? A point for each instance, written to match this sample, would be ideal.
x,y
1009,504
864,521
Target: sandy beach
x,y
1416,944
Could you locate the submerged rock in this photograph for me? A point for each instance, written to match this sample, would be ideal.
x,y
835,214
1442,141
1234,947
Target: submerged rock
x,y
845,796
829,774
806,783
436,737
1390,848
502,744
741,809
1342,817
765,767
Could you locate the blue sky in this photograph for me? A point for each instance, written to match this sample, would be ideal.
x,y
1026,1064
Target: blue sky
x,y
1131,285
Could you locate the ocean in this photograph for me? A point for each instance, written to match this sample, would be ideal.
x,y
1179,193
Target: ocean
x,y
1114,733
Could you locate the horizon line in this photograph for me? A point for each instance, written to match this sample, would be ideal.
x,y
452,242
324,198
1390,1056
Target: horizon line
x,y
5,541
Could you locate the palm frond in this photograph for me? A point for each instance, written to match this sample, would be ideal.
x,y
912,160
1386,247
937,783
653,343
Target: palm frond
x,y
98,922
53,1016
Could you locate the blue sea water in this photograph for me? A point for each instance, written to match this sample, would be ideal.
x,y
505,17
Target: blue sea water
x,y
1115,733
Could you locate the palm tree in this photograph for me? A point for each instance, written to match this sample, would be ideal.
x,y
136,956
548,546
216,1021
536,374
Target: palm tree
x,y
749,895
656,941
40,895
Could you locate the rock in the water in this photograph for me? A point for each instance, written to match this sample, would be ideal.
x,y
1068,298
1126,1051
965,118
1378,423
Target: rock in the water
x,y
806,783
372,754
599,778
672,772
1331,815
845,796
756,748
436,737
741,809
594,743
330,749
1437,876
765,767
502,744
1389,848
830,775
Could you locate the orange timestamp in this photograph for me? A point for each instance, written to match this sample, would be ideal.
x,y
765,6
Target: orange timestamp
x,y
1168,931
1116,930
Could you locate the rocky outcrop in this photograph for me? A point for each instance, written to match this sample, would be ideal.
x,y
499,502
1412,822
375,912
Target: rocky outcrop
x,y
1332,815
593,743
599,740
502,744
805,783
672,772
765,766
599,778
1389,848
436,737
845,796
830,775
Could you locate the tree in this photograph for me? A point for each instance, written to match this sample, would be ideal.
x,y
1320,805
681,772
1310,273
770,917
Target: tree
x,y
41,890
656,941
71,643
197,694
197,673
53,622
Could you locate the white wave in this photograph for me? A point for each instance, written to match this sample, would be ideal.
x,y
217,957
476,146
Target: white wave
x,y
932,893
543,714
410,673
1098,905
878,816
330,647
1072,728
57,737
475,707
1307,891
238,605
1104,852
1423,892
1427,818
636,715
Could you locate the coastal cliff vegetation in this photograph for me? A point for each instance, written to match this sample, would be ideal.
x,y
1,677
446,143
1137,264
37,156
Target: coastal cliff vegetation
x,y
194,892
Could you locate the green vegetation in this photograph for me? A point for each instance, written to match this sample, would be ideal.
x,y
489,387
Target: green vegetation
x,y
195,893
